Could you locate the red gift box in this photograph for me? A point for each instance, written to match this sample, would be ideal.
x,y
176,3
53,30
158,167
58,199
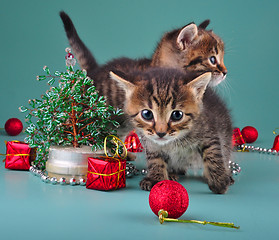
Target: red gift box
x,y
106,173
18,155
237,138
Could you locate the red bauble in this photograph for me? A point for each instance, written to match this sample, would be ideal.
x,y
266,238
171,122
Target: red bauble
x,y
69,55
13,126
170,196
250,134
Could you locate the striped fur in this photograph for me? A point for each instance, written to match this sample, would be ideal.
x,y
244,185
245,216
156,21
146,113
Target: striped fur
x,y
195,54
189,48
201,138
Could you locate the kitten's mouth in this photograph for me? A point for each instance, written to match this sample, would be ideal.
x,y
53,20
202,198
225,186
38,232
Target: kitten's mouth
x,y
217,79
161,141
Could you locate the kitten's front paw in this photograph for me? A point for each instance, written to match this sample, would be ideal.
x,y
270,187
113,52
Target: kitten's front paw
x,y
147,183
220,185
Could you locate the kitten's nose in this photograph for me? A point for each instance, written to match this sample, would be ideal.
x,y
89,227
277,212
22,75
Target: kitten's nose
x,y
161,134
222,69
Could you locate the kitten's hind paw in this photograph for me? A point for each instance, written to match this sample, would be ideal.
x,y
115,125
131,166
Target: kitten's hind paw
x,y
147,183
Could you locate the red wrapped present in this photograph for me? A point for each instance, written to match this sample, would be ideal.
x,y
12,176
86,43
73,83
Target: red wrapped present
x,y
106,173
18,155
133,143
237,138
276,144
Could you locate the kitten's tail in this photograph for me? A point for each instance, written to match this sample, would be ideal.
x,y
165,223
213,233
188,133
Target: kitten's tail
x,y
82,53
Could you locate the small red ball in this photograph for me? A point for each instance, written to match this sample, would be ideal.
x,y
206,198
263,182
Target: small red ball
x,y
170,196
13,126
250,134
69,56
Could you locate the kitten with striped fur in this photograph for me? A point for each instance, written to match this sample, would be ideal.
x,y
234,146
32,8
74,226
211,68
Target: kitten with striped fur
x,y
191,48
182,123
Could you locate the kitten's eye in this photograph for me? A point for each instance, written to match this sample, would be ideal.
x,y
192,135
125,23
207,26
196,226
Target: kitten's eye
x,y
147,114
213,60
176,115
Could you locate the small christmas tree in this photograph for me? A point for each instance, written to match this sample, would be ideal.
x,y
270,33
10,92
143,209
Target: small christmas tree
x,y
71,113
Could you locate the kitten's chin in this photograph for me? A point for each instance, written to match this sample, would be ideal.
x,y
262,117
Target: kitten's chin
x,y
217,79
161,141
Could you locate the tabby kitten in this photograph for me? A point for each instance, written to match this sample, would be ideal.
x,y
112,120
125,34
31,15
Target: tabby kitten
x,y
182,125
191,48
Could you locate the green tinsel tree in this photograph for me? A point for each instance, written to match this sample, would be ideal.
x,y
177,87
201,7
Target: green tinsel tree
x,y
70,113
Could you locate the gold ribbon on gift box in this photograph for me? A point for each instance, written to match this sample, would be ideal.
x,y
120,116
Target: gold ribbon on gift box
x,y
16,154
118,143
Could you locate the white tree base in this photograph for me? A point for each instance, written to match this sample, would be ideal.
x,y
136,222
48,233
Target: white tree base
x,y
69,162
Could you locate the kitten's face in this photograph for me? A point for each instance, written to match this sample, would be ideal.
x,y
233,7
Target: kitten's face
x,y
207,55
163,106
161,122
193,49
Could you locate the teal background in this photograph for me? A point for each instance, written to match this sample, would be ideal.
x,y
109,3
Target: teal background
x,y
32,36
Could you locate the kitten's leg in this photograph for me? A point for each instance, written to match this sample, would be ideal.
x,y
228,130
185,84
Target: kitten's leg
x,y
216,171
227,149
156,172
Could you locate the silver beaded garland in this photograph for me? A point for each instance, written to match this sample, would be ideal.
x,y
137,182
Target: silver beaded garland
x,y
234,167
35,172
131,170
143,171
62,181
53,180
245,148
129,174
45,178
82,182
72,181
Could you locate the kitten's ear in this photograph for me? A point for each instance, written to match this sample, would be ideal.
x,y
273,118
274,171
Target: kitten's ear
x,y
204,24
187,35
199,84
120,78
